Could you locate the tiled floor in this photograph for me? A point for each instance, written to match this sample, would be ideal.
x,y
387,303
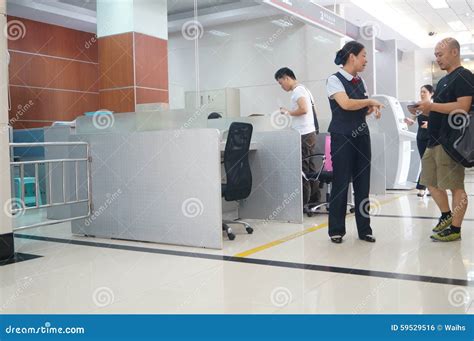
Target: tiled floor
x,y
87,279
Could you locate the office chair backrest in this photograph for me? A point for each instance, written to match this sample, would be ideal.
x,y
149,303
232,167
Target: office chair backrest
x,y
236,162
327,154
214,115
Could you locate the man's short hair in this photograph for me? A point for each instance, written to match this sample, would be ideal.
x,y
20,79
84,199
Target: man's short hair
x,y
452,43
284,71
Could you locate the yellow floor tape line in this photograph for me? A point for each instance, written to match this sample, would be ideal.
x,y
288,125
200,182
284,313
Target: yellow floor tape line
x,y
301,233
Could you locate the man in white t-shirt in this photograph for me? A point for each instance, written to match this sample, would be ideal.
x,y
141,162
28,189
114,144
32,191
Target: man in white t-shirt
x,y
303,119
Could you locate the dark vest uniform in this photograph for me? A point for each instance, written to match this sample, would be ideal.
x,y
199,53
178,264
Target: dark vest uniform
x,y
350,154
349,122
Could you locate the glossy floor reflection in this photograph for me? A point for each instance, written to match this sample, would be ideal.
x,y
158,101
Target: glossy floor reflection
x,y
71,278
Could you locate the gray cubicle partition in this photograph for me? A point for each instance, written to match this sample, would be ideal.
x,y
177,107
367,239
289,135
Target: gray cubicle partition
x,y
276,172
378,164
158,186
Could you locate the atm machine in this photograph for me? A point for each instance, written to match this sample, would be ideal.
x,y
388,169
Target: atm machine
x,y
415,161
398,142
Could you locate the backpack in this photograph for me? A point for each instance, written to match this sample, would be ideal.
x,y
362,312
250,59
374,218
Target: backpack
x,y
458,142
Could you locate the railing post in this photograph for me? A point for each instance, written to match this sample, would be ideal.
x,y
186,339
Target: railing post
x,y
7,249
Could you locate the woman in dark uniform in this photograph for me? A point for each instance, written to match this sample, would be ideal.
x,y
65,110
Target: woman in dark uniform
x,y
422,136
350,141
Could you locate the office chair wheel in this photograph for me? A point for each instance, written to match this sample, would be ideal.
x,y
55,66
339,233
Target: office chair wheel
x,y
249,230
309,214
231,236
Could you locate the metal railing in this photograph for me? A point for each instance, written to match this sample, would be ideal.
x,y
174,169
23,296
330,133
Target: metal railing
x,y
50,166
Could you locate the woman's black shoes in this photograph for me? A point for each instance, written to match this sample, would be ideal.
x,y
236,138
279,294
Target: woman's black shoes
x,y
338,239
368,238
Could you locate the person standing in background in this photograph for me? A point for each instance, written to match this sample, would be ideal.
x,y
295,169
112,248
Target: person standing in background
x,y
304,120
350,141
422,136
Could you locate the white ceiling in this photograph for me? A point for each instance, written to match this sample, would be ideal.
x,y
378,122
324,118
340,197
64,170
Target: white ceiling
x,y
174,6
412,20
407,21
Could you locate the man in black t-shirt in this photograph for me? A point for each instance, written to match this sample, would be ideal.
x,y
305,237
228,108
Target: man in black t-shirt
x,y
440,172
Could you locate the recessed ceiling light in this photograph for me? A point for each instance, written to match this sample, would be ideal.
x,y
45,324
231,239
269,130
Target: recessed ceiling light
x,y
438,4
282,23
218,33
457,25
322,39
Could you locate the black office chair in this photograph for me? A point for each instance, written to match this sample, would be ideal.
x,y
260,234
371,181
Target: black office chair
x,y
214,115
321,176
237,170
324,177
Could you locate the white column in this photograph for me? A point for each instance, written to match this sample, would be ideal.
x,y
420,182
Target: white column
x,y
6,232
367,38
143,16
387,69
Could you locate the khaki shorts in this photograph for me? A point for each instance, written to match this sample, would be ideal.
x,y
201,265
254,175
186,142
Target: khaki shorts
x,y
439,170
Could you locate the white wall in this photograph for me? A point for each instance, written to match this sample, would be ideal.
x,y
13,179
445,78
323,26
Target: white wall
x,y
114,18
414,70
248,58
151,17
387,70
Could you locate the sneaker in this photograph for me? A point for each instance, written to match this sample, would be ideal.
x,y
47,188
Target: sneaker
x,y
446,236
443,224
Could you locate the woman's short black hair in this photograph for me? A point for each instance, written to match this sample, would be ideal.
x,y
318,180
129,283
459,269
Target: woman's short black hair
x,y
343,54
284,71
429,88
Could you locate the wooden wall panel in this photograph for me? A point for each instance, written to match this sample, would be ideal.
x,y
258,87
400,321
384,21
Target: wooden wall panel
x,y
53,40
116,61
122,100
151,96
50,105
30,124
44,72
47,61
151,62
